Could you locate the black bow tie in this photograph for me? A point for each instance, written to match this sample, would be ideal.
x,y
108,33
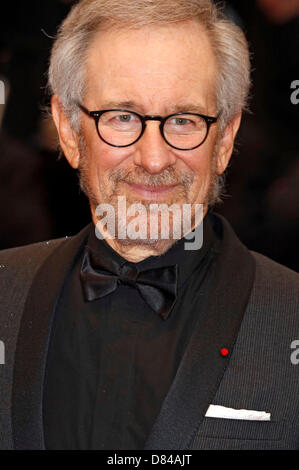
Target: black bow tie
x,y
101,276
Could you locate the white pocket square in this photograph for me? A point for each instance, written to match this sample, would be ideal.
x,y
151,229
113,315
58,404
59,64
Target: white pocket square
x,y
217,411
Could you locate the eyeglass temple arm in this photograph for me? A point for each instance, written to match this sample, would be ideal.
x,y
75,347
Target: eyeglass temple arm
x,y
85,110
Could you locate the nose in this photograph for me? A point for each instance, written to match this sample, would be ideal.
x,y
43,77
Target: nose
x,y
152,152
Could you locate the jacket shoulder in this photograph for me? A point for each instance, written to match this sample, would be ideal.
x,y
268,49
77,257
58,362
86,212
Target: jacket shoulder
x,y
23,262
273,274
275,287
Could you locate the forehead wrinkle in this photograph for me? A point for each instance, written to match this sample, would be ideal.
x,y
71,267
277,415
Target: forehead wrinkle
x,y
171,73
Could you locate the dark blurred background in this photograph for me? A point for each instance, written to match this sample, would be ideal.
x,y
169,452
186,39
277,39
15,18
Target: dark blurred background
x,y
39,194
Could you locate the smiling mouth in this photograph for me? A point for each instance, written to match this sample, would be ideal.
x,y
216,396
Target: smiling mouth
x,y
151,192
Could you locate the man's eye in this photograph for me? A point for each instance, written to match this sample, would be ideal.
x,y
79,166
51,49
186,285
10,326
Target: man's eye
x,y
124,117
181,121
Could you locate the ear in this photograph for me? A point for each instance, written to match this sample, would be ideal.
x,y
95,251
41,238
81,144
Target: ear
x,y
226,143
67,137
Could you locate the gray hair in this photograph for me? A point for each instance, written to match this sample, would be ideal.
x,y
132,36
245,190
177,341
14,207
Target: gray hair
x,y
88,17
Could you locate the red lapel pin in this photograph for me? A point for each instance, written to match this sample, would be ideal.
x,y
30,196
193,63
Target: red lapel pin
x,y
224,352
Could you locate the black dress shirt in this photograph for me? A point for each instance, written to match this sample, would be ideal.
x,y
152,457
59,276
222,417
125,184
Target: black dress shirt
x,y
112,361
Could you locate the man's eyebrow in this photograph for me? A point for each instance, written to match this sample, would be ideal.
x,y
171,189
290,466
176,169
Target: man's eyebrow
x,y
134,106
187,108
119,104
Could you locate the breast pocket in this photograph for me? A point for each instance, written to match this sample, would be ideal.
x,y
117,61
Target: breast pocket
x,y
240,429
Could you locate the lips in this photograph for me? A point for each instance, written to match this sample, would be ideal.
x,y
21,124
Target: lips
x,y
151,192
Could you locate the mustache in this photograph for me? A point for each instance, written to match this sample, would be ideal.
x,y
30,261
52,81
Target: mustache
x,y
139,176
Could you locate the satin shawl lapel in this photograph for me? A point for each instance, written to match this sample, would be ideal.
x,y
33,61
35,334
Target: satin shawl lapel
x,y
202,366
33,342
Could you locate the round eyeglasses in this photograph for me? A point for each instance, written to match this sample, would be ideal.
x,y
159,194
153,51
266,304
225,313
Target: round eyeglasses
x,y
122,128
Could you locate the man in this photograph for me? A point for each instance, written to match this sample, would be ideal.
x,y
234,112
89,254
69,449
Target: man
x,y
115,340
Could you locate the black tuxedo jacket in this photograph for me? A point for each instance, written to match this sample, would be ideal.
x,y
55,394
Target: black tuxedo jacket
x,y
253,312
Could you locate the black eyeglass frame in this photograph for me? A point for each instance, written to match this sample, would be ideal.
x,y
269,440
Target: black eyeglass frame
x,y
96,115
